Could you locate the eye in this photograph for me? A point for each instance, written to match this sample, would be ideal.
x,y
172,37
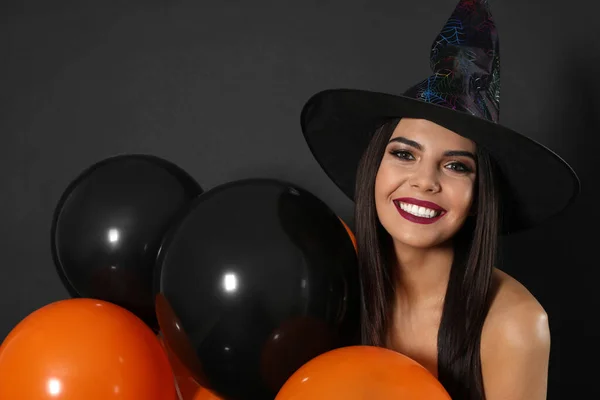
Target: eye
x,y
403,154
459,167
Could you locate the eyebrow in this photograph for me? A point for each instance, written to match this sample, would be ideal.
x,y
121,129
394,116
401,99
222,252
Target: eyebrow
x,y
418,146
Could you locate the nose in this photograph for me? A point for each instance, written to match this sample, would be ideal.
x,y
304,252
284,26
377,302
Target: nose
x,y
425,178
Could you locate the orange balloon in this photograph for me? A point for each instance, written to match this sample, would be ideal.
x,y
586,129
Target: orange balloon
x,y
84,349
362,372
352,237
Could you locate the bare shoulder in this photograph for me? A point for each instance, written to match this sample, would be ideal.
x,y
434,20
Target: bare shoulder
x,y
514,312
515,342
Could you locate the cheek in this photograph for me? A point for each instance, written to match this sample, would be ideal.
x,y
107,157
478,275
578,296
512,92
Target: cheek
x,y
462,196
387,180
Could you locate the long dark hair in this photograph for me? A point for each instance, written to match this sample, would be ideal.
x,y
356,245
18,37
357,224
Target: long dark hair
x,y
468,294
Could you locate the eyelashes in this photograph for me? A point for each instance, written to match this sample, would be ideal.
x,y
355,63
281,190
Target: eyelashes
x,y
402,154
460,167
455,166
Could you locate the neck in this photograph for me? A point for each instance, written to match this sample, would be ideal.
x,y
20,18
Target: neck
x,y
423,275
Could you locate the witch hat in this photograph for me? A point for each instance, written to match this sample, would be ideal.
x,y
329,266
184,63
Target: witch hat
x,y
463,95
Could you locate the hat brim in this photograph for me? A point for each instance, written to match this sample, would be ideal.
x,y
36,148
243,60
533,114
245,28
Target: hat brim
x,y
339,123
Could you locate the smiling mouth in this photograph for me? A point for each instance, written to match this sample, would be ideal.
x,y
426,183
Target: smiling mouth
x,y
419,213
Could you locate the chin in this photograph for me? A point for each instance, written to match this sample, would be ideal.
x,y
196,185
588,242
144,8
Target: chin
x,y
406,233
419,240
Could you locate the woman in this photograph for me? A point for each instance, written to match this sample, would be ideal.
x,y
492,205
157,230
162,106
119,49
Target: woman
x,y
436,180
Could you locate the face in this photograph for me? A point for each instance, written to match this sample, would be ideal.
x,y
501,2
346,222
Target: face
x,y
424,185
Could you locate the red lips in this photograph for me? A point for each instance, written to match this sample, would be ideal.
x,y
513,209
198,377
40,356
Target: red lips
x,y
420,203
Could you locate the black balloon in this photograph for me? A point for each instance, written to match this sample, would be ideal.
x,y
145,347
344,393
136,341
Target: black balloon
x,y
108,226
262,276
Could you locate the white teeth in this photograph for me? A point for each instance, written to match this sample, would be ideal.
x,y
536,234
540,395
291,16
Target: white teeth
x,y
419,211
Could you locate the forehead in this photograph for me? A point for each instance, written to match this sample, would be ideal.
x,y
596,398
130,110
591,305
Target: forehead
x,y
430,134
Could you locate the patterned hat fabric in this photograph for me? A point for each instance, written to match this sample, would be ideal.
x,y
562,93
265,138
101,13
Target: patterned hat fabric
x,y
465,59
